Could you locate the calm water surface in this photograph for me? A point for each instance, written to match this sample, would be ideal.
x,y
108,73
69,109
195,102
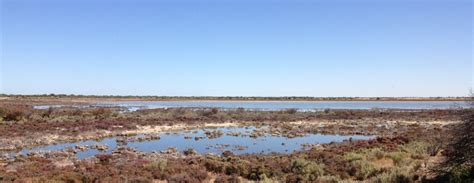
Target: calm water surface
x,y
243,144
278,105
281,105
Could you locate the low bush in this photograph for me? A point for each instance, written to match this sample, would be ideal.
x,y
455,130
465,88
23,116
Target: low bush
x,y
104,158
102,113
222,178
291,111
209,112
365,170
48,112
461,173
397,157
307,169
159,165
183,177
15,113
2,112
394,175
460,164
416,149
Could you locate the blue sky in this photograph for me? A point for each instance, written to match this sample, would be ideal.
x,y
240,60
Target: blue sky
x,y
237,48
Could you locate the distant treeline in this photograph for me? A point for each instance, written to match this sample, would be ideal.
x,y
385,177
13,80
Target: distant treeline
x,y
244,98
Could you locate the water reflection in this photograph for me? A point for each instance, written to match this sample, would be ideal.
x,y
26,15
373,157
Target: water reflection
x,y
235,139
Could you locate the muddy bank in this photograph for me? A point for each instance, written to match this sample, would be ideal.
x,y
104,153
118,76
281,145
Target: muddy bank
x,y
283,129
215,140
18,120
21,126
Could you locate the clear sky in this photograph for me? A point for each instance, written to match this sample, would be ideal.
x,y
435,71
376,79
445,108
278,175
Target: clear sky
x,y
237,48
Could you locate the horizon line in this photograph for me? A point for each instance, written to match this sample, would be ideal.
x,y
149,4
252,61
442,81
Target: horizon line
x,y
218,96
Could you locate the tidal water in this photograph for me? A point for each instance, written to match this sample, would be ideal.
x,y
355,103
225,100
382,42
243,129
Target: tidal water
x,y
242,144
282,105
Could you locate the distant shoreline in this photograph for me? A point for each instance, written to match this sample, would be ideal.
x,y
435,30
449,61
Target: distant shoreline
x,y
236,99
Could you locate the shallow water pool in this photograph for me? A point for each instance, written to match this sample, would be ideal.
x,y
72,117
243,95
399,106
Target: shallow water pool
x,y
235,139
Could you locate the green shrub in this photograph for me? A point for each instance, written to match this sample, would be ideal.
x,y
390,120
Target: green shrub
x,y
264,179
2,112
365,170
378,154
329,179
157,165
417,149
398,175
397,157
367,154
361,161
308,169
353,156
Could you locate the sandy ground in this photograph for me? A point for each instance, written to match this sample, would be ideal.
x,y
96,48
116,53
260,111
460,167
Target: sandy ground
x,y
442,123
177,127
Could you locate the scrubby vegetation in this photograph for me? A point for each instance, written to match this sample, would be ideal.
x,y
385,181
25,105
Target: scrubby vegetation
x,y
22,119
365,160
407,149
459,166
